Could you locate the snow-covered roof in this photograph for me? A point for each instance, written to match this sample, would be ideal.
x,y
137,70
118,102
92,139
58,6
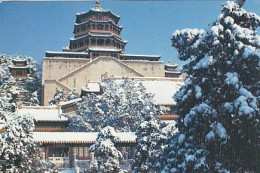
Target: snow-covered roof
x,y
173,72
110,49
136,55
92,87
63,103
42,113
98,35
97,21
162,89
78,137
66,53
23,67
19,59
171,65
168,121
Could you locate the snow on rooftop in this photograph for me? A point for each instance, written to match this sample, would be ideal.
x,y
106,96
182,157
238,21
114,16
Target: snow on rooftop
x,y
78,137
19,59
163,90
105,49
136,55
67,53
171,65
70,101
23,67
92,87
42,113
173,72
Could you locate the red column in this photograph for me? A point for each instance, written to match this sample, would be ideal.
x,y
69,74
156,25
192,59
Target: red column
x,y
118,56
90,55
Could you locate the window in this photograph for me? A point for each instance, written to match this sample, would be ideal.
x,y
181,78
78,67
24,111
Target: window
x,y
100,41
99,27
81,151
93,41
108,42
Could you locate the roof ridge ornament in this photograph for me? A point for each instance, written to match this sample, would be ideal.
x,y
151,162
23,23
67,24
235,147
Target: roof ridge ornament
x,y
97,4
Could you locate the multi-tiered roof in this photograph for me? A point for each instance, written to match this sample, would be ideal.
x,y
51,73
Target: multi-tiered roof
x,y
97,30
97,33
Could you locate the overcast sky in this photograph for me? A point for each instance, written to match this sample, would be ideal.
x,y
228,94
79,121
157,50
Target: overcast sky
x,y
31,28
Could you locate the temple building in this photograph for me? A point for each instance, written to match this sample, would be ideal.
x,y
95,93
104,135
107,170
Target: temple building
x,y
171,70
20,67
97,48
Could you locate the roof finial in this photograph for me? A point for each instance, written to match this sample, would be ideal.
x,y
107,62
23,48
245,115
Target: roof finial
x,y
97,4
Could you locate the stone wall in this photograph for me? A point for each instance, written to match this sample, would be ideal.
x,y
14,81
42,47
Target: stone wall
x,y
54,68
69,73
147,68
94,70
49,89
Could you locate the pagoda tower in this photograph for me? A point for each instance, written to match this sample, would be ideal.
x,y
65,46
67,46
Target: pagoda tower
x,y
98,33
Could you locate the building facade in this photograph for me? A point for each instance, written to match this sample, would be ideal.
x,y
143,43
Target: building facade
x,y
96,48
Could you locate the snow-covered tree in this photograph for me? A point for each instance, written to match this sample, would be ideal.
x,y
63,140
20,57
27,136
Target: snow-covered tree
x,y
218,106
121,106
17,86
107,157
4,69
149,145
72,95
18,151
34,99
58,96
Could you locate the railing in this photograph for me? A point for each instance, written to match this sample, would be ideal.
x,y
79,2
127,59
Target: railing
x,y
60,161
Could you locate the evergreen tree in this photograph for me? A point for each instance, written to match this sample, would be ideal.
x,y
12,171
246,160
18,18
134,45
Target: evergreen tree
x,y
72,95
34,99
218,106
121,106
149,145
58,96
107,157
18,151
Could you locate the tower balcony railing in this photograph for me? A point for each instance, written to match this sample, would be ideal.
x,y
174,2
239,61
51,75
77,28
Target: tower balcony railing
x,y
97,31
